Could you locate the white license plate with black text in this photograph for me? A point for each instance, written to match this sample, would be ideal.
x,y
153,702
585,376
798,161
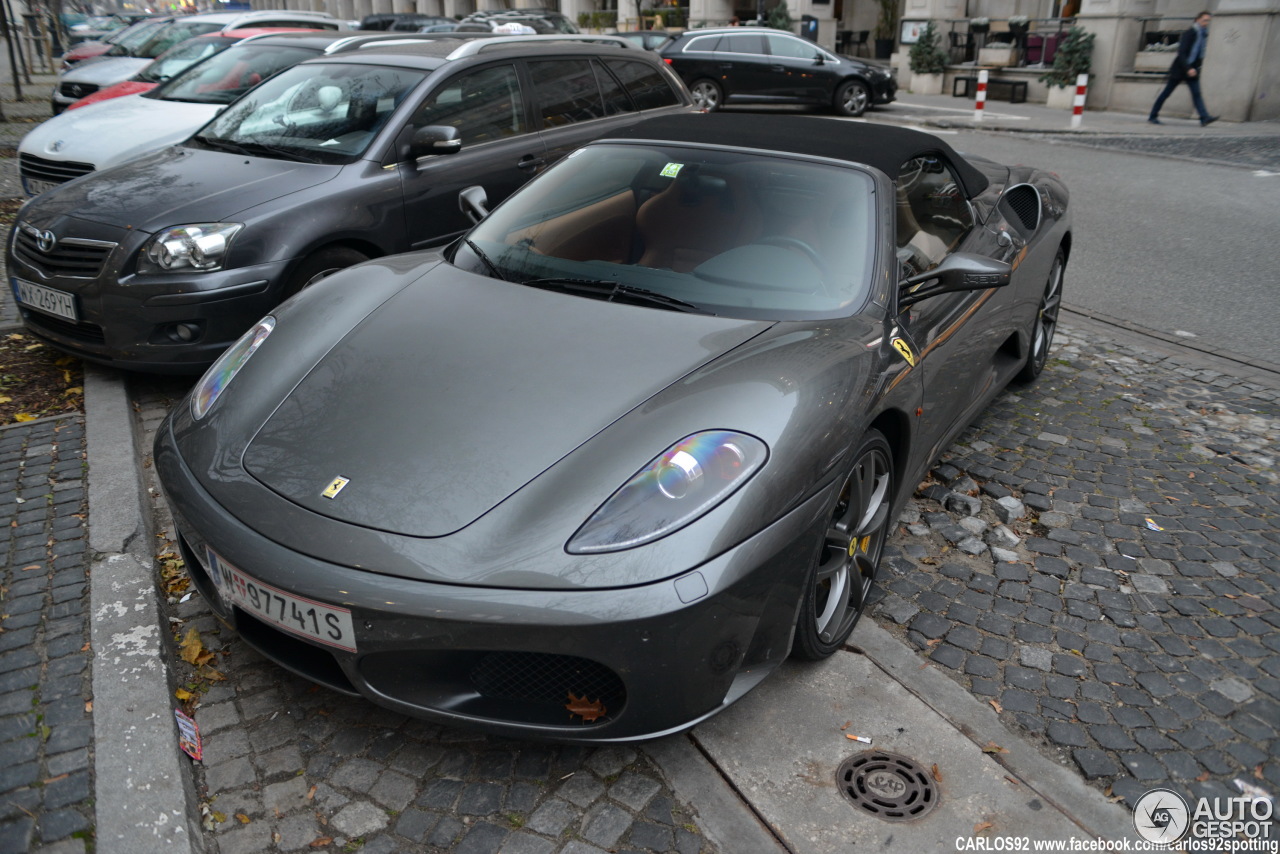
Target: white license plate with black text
x,y
58,303
35,187
304,617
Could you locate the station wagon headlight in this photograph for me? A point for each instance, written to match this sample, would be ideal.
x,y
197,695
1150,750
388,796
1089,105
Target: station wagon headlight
x,y
199,248
683,483
224,370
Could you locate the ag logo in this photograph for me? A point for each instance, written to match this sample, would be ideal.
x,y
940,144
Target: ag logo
x,y
1161,815
885,784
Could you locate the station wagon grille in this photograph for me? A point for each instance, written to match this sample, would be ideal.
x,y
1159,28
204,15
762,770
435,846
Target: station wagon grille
x,y
77,90
54,171
72,257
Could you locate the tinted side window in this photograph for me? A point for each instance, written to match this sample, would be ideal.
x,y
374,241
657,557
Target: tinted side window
x,y
648,88
484,104
566,91
703,43
746,43
783,46
615,97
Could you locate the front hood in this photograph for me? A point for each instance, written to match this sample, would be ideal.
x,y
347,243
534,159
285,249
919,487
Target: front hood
x,y
178,185
118,90
114,131
104,72
461,389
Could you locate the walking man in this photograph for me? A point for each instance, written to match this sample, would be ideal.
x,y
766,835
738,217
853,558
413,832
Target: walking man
x,y
1186,69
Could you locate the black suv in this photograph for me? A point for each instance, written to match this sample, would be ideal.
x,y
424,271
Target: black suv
x,y
160,263
743,64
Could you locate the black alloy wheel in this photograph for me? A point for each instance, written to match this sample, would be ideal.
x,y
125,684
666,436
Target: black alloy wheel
x,y
707,95
852,98
840,579
1045,322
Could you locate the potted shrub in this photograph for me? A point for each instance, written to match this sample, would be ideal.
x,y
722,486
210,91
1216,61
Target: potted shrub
x,y
1073,58
886,34
1019,24
1155,57
979,25
928,62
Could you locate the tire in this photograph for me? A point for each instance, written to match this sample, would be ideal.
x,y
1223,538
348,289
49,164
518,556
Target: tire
x,y
320,264
1045,323
707,94
839,580
852,98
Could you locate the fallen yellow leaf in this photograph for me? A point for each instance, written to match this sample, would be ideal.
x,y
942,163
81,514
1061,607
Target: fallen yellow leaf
x,y
981,826
191,648
4,399
995,705
183,694
24,417
992,747
242,818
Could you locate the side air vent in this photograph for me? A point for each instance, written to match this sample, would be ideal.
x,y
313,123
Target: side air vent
x,y
1021,206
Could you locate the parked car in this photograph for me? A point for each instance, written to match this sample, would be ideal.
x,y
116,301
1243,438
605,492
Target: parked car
x,y
126,39
123,61
101,135
401,22
543,21
590,474
752,64
169,64
647,39
100,26
161,263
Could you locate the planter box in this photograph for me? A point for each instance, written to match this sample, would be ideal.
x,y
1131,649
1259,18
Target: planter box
x,y
1061,97
1150,60
926,84
999,56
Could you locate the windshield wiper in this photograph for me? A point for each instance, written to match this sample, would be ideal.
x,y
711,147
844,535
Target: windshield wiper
x,y
222,145
283,153
614,290
485,259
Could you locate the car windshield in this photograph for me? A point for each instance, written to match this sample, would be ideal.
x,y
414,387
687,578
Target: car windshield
x,y
135,36
178,31
725,232
230,74
322,113
179,58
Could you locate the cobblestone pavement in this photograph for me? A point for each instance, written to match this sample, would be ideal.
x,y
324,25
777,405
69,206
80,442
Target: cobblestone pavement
x,y
1099,558
288,765
46,727
1260,151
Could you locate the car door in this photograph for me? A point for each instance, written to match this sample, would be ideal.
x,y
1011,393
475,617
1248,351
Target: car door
x,y
745,65
951,336
501,150
794,70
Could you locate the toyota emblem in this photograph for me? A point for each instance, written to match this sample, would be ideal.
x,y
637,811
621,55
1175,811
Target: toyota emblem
x,y
46,241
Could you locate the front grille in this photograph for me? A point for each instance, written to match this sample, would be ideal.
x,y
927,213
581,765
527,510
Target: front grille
x,y
54,171
90,333
77,90
545,678
71,257
1023,201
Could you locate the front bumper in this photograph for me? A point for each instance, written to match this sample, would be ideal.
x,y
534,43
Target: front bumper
x,y
660,657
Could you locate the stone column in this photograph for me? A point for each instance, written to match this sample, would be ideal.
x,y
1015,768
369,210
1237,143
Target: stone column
x,y
1241,73
1116,28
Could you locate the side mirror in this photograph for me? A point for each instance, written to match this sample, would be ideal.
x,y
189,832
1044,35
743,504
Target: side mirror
x,y
819,59
474,202
434,139
963,271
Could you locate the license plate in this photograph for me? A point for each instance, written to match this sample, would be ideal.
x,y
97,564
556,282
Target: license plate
x,y
57,303
304,617
35,187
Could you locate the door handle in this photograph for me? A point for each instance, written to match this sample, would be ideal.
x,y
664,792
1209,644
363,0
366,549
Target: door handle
x,y
776,68
531,161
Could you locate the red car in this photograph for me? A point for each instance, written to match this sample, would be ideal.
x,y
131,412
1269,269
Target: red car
x,y
131,36
179,58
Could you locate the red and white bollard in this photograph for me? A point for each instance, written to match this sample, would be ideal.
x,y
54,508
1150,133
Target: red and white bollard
x,y
1077,111
982,95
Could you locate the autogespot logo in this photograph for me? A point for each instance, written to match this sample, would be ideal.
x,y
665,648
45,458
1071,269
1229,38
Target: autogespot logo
x,y
1161,816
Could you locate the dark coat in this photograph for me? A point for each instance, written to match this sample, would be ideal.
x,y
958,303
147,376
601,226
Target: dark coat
x,y
1182,62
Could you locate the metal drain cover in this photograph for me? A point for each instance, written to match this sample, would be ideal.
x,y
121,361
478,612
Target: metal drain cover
x,y
887,785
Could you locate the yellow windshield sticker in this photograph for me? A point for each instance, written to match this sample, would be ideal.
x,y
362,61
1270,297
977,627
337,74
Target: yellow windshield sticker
x,y
671,170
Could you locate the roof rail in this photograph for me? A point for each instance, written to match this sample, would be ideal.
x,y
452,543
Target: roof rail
x,y
474,47
381,39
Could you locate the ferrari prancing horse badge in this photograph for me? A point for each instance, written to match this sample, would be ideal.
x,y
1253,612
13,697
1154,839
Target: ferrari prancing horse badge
x,y
332,490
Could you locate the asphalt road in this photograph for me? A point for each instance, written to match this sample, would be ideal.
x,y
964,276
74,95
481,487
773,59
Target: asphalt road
x,y
1171,246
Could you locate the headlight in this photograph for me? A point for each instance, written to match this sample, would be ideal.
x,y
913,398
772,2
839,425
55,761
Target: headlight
x,y
683,483
223,371
200,248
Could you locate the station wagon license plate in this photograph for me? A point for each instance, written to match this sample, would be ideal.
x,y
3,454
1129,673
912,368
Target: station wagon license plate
x,y
57,303
304,617
35,187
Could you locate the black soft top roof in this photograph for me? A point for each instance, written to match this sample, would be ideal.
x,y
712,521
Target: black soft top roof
x,y
883,146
